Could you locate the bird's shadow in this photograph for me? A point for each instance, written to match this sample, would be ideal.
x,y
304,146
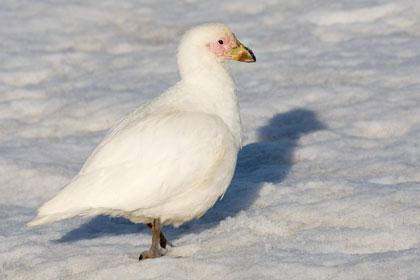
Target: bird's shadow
x,y
267,160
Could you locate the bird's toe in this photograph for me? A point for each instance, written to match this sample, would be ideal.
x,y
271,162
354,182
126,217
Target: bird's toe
x,y
150,254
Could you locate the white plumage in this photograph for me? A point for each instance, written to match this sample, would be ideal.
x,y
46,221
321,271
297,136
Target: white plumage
x,y
172,158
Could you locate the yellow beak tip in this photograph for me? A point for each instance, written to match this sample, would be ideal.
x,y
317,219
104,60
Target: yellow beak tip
x,y
243,54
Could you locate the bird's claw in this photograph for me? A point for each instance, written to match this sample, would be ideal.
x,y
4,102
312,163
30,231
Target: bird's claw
x,y
150,254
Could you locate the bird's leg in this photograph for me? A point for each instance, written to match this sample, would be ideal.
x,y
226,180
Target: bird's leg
x,y
163,240
154,249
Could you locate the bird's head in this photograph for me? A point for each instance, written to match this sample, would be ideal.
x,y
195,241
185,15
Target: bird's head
x,y
212,43
225,46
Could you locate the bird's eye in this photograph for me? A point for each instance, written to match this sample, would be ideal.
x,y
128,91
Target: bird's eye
x,y
221,42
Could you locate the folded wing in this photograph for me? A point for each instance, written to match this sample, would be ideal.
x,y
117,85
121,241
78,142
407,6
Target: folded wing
x,y
144,164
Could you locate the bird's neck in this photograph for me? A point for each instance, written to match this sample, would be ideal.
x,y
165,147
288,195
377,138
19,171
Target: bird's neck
x,y
212,90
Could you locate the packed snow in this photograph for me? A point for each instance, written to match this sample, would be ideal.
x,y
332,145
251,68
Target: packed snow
x,y
327,184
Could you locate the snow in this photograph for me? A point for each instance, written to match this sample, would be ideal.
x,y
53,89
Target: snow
x,y
327,184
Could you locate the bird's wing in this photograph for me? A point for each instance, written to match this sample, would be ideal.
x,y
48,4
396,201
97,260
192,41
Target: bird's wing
x,y
147,162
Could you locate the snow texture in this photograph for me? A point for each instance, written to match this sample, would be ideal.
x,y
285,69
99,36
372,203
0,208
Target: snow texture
x,y
327,184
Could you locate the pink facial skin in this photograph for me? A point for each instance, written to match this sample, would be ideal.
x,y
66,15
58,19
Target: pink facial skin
x,y
229,42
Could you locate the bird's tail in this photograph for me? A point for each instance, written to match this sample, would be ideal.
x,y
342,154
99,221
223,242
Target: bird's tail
x,y
63,206
56,209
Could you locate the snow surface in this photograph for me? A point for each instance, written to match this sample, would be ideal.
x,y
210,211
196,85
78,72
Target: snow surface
x,y
327,184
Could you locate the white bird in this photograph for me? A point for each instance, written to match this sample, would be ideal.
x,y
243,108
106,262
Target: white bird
x,y
170,160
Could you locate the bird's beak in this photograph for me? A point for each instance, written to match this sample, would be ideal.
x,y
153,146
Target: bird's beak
x,y
242,53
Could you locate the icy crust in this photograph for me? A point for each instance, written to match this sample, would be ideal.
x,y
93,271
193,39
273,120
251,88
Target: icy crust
x,y
327,184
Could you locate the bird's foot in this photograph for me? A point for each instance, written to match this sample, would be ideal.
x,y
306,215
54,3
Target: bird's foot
x,y
157,239
150,254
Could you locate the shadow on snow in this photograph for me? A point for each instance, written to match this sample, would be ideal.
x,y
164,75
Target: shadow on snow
x,y
266,161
